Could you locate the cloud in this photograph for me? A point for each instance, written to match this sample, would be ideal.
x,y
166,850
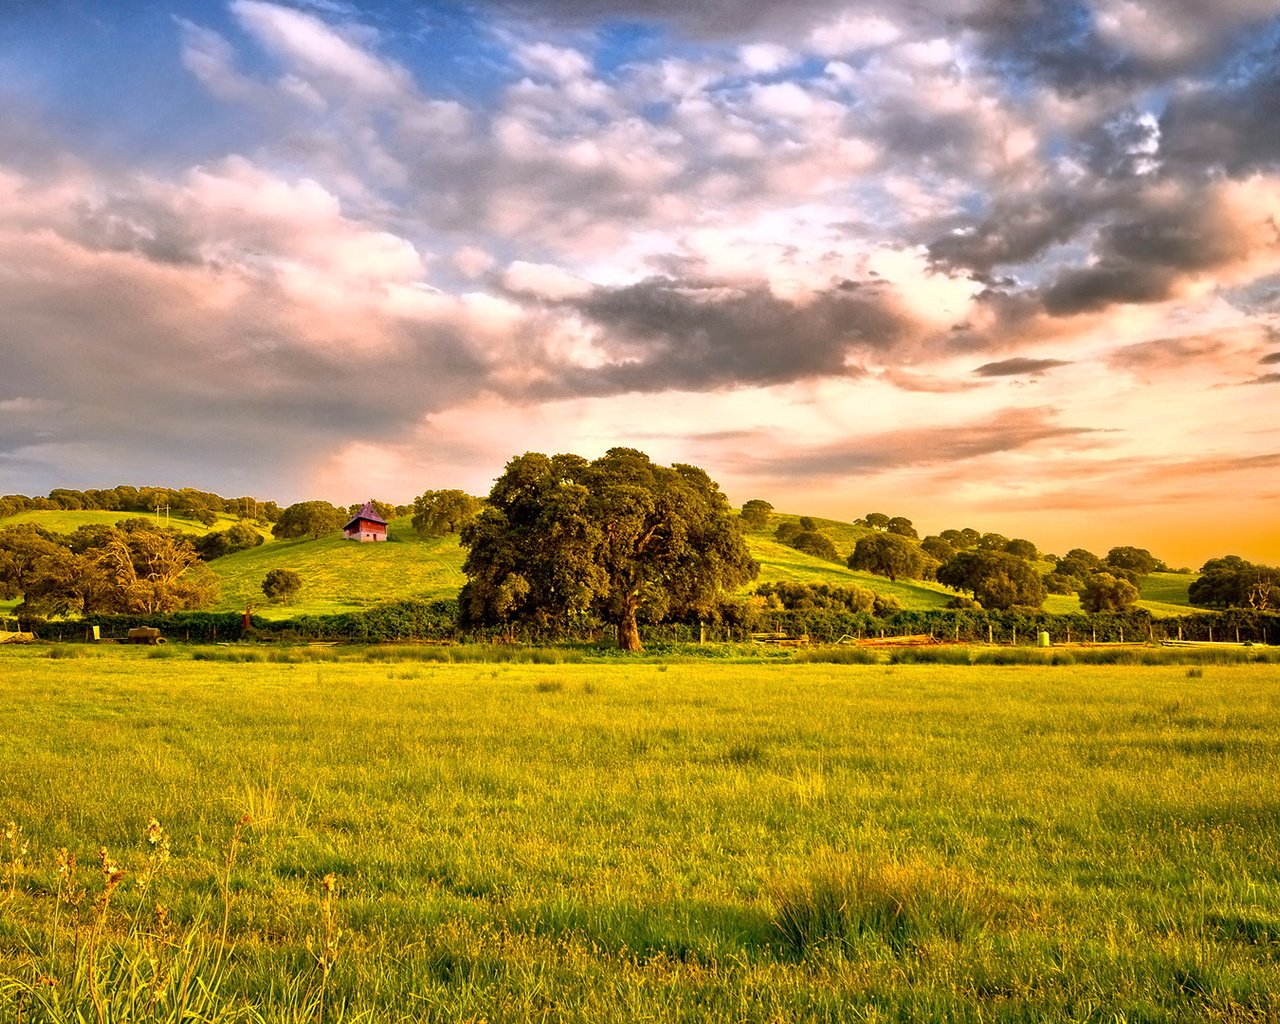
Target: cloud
x,y
316,46
664,333
1270,358
1006,430
1168,354
1266,378
1018,367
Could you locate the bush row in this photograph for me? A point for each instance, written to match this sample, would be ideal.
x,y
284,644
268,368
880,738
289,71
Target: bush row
x,y
438,621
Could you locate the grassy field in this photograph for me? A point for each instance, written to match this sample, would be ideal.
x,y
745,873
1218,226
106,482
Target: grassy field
x,y
645,841
69,522
340,575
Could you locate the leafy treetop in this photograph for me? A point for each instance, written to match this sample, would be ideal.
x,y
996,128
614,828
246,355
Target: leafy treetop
x,y
618,536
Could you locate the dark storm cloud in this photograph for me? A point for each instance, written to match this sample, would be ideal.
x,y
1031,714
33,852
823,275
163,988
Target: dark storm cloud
x,y
1018,367
1106,284
1007,430
1017,229
1141,259
1228,124
668,334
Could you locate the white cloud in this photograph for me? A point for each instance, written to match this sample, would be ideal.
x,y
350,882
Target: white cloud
x,y
853,32
316,48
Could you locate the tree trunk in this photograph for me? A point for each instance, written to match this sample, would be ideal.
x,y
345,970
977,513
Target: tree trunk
x,y
629,631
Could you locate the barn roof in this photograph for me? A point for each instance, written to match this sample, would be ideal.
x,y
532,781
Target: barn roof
x,y
366,513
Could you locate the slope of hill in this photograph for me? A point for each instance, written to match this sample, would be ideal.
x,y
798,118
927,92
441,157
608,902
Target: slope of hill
x,y
69,522
339,575
781,563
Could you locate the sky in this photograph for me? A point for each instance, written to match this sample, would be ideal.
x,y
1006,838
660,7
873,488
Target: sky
x,y
1009,264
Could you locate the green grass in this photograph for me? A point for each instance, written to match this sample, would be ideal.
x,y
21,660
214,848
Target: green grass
x,y
341,575
641,841
69,522
780,563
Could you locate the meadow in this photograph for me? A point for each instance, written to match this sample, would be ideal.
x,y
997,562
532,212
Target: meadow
x,y
386,838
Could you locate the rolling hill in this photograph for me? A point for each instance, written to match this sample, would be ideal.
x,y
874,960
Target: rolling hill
x,y
339,575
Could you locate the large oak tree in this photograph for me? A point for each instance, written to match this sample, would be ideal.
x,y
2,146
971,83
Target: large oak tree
x,y
618,536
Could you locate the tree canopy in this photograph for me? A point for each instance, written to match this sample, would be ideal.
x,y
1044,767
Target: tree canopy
x,y
889,554
1233,582
1103,592
618,537
308,519
281,585
997,579
755,513
436,513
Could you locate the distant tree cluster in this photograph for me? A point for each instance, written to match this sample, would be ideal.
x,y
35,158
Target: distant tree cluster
x,y
308,519
130,567
822,596
1233,582
892,555
237,537
185,502
436,513
804,535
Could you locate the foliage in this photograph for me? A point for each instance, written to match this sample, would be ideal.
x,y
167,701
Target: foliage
x,y
308,519
808,596
281,585
961,539
436,513
383,508
21,550
938,549
1232,582
996,579
1078,564
132,567
1136,560
891,555
902,527
755,513
155,571
787,532
1103,592
1020,548
185,501
1059,583
238,537
618,537
876,520
812,542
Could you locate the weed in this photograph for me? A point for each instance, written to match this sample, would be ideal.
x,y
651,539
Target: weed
x,y
841,903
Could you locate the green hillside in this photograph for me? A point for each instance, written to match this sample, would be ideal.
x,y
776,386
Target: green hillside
x,y
68,522
340,575
780,563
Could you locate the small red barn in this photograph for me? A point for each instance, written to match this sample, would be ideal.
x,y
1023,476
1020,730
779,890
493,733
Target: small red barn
x,y
366,525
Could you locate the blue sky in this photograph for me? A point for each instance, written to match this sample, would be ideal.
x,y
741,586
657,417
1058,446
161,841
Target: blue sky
x,y
968,261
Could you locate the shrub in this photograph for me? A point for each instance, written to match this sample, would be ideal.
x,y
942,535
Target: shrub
x,y
281,585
